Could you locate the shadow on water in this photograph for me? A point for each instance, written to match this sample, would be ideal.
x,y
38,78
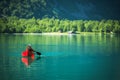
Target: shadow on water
x,y
29,60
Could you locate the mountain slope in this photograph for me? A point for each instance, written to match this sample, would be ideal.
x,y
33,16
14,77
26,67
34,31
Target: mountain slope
x,y
70,9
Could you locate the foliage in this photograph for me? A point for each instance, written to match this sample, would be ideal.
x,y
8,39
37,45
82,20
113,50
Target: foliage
x,y
20,25
24,8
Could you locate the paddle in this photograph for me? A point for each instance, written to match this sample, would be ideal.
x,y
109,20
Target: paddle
x,y
38,53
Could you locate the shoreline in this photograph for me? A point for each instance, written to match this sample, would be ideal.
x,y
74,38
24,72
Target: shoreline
x,y
58,33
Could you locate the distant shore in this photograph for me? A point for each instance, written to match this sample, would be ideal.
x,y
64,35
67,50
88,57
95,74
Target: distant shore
x,y
57,33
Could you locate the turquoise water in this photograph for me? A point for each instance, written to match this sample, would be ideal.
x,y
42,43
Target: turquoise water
x,y
64,57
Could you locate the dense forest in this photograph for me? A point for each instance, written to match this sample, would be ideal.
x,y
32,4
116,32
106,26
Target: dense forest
x,y
33,25
24,8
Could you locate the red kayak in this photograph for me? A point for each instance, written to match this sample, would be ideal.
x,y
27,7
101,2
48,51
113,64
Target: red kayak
x,y
27,53
28,57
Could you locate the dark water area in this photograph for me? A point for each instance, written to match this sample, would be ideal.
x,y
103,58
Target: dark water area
x,y
64,57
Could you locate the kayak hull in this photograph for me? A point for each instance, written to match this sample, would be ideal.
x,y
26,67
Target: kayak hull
x,y
26,54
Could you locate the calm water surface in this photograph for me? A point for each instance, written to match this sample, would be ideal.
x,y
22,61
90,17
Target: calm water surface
x,y
64,57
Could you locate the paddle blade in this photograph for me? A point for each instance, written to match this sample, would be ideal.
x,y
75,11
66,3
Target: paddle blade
x,y
38,53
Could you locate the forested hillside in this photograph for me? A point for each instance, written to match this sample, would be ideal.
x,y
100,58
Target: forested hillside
x,y
24,8
59,15
62,9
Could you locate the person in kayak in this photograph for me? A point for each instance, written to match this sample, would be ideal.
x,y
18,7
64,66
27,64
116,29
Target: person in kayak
x,y
28,52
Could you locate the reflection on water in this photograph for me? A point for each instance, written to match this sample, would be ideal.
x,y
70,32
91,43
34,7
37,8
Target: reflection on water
x,y
28,60
64,57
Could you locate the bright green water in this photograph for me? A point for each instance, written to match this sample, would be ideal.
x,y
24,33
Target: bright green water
x,y
64,57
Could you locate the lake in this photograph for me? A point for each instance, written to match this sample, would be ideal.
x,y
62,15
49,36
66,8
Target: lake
x,y
64,57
